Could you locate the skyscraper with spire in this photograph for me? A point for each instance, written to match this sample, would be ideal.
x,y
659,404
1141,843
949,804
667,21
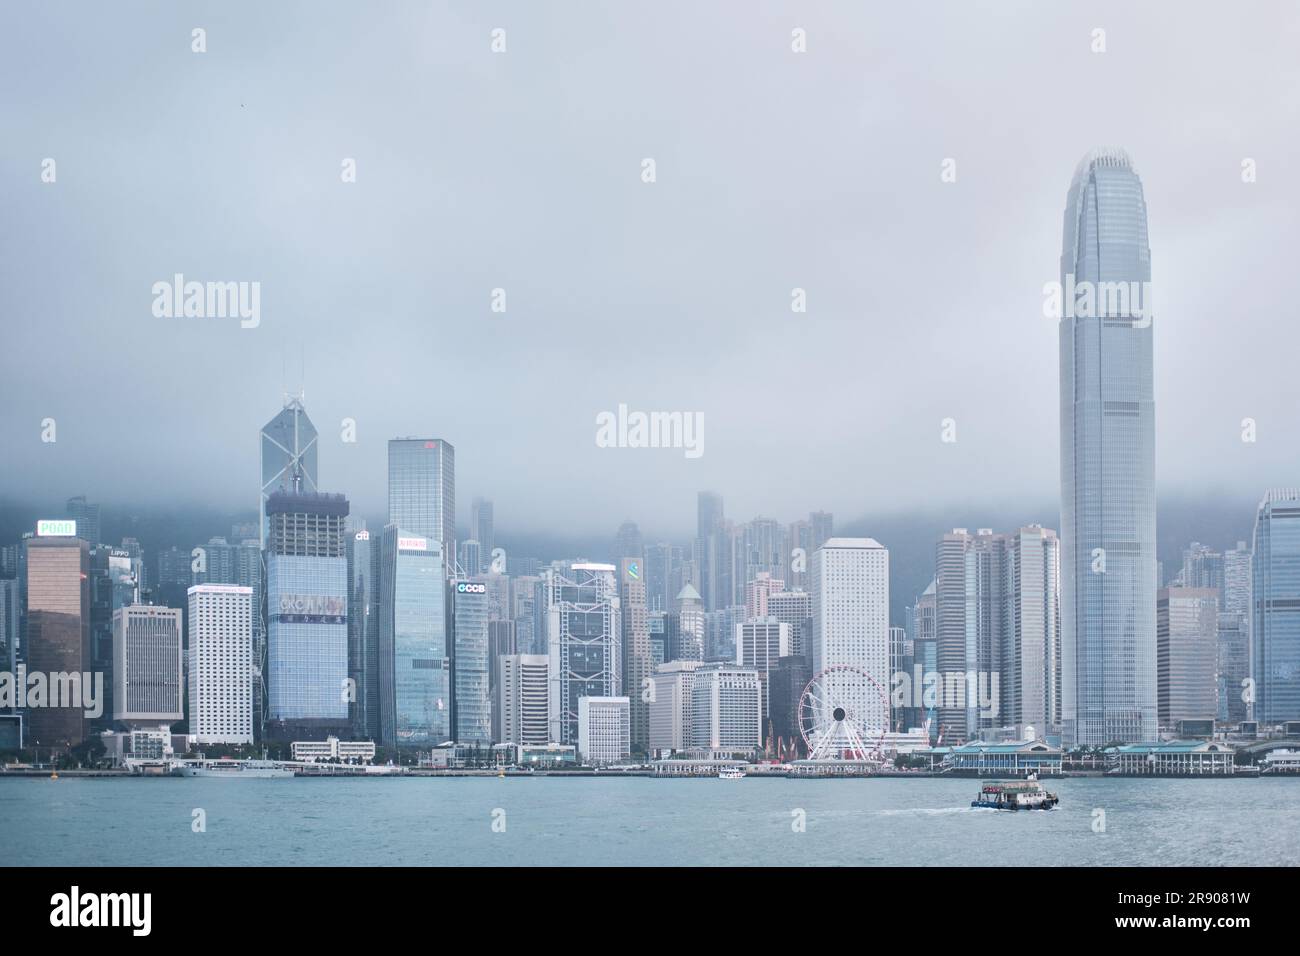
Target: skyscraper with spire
x,y
1108,516
288,454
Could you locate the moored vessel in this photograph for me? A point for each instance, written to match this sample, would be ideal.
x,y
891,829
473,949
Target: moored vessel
x,y
237,769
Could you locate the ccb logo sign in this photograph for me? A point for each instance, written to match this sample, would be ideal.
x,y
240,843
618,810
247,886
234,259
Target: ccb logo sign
x,y
469,587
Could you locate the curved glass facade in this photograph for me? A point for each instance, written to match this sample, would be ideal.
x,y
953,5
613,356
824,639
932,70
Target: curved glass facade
x,y
1108,522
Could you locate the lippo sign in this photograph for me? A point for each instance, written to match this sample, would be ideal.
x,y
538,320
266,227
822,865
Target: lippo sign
x,y
56,528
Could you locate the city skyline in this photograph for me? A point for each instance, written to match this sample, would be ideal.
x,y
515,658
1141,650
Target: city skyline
x,y
693,327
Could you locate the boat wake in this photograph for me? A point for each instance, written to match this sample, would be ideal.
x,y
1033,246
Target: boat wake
x,y
932,811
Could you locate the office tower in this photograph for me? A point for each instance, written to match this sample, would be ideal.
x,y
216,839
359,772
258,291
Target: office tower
x,y
1236,579
671,722
793,608
604,729
173,576
10,615
757,590
502,638
422,490
627,543
86,515
636,663
136,553
726,709
1233,666
657,624
482,529
1234,633
970,609
1275,631
661,561
1202,568
414,669
1108,514
583,625
760,642
147,665
112,586
308,694
221,663
499,598
786,684
471,558
57,639
686,627
1031,654
363,632
850,594
519,715
708,550
900,662
471,703
288,455
719,634
1186,654
529,638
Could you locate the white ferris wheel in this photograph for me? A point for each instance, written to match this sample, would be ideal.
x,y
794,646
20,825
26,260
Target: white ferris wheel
x,y
843,715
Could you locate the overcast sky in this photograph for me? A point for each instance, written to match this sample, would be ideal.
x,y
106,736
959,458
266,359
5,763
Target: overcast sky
x,y
523,170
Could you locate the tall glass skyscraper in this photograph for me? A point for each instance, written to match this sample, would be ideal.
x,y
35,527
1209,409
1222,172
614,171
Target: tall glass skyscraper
x,y
307,615
363,630
288,454
1275,636
471,700
414,668
1108,519
422,490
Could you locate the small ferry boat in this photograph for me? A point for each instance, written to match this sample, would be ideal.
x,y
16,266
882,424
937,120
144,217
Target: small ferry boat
x,y
1026,794
730,773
